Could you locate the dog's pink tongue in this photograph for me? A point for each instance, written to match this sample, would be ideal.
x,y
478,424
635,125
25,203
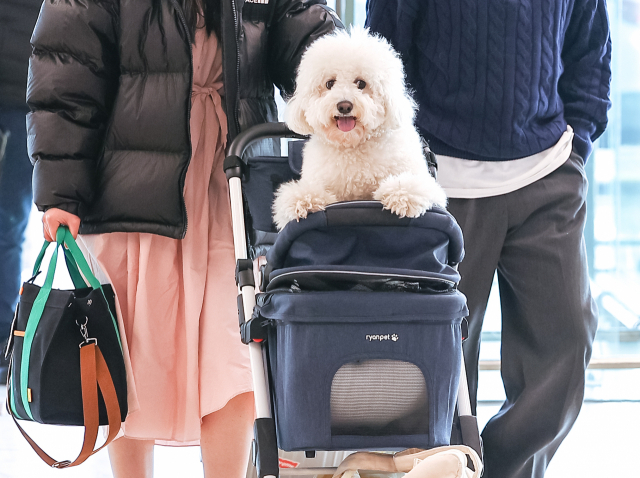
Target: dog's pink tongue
x,y
346,123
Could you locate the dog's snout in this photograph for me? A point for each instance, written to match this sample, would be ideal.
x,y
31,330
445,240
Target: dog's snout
x,y
345,107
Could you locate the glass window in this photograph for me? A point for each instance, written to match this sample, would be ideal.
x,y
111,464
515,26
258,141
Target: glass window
x,y
613,231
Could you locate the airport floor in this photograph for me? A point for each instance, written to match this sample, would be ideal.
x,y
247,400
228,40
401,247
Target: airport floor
x,y
603,443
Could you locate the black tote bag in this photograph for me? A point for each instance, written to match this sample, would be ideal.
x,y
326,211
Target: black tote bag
x,y
67,366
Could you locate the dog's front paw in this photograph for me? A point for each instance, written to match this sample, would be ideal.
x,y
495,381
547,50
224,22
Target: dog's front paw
x,y
294,203
285,213
300,209
402,204
308,204
410,196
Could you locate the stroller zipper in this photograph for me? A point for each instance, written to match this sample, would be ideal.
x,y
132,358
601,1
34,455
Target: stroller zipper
x,y
369,274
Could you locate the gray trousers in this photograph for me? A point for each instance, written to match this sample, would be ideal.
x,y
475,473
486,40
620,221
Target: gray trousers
x,y
533,238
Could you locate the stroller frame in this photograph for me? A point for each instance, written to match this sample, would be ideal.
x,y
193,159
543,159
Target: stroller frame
x,y
264,445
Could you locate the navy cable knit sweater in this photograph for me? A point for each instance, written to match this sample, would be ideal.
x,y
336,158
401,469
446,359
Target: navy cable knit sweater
x,y
500,79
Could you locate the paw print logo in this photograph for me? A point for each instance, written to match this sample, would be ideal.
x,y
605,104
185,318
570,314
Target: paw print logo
x,y
394,337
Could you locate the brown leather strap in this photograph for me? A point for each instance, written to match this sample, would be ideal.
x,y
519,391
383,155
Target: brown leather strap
x,y
110,398
93,372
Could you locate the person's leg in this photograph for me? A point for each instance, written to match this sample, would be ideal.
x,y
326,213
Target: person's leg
x,y
131,458
226,438
15,205
484,225
548,324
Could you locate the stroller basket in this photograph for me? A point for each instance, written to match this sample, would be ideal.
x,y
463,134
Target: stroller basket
x,y
361,370
365,343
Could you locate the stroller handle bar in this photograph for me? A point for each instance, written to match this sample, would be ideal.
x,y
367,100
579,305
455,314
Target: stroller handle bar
x,y
258,132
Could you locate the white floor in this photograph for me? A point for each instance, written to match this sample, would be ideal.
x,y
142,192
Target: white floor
x,y
603,444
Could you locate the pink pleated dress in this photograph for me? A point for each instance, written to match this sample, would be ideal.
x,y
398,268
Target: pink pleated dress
x,y
176,299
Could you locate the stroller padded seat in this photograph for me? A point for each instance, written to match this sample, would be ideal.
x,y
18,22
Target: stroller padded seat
x,y
262,177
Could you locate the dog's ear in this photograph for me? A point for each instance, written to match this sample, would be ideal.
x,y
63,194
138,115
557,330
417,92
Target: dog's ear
x,y
399,106
295,116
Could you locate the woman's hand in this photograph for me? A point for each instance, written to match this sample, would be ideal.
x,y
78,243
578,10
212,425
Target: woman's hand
x,y
54,218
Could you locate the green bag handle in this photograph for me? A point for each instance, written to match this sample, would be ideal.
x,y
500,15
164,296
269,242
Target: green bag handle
x,y
64,238
74,272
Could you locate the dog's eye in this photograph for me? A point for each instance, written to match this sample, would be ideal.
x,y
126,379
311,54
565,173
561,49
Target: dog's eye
x,y
360,84
330,84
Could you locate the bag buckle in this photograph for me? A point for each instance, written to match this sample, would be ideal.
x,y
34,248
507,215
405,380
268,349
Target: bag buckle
x,y
85,333
61,464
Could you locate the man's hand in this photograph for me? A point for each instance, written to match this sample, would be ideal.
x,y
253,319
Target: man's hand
x,y
55,218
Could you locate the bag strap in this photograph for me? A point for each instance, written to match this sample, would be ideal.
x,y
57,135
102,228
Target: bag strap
x,y
74,272
33,321
94,373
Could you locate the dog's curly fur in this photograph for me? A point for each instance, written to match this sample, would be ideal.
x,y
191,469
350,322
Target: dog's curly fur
x,y
372,151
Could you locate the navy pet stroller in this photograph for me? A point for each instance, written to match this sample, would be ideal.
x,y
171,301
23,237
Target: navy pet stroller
x,y
356,334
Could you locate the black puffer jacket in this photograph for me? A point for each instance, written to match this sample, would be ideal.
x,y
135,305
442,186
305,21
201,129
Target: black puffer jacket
x,y
110,95
17,18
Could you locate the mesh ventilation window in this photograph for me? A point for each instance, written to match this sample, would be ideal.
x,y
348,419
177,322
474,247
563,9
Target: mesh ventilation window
x,y
379,398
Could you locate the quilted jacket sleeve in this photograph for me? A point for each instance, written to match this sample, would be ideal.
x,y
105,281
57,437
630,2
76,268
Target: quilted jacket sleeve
x,y
73,79
295,25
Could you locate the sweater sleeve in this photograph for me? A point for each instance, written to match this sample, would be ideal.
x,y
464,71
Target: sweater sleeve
x,y
296,24
73,79
585,82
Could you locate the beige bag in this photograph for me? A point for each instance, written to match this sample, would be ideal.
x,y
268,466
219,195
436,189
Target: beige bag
x,y
441,462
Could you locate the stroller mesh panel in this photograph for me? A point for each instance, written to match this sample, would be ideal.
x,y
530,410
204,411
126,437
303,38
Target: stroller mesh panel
x,y
379,397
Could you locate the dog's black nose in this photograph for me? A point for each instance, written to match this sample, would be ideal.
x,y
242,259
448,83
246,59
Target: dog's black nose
x,y
345,107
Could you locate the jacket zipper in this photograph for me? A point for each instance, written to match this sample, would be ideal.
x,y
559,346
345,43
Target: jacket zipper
x,y
184,173
236,28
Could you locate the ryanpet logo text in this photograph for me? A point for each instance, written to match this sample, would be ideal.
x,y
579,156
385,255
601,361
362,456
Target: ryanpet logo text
x,y
380,338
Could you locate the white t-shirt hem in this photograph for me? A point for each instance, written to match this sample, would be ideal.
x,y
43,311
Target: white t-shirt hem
x,y
470,179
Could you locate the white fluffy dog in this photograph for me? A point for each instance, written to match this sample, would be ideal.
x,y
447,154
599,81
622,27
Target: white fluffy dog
x,y
351,98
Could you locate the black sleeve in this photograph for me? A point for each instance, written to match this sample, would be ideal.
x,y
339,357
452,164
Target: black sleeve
x,y
73,80
295,25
